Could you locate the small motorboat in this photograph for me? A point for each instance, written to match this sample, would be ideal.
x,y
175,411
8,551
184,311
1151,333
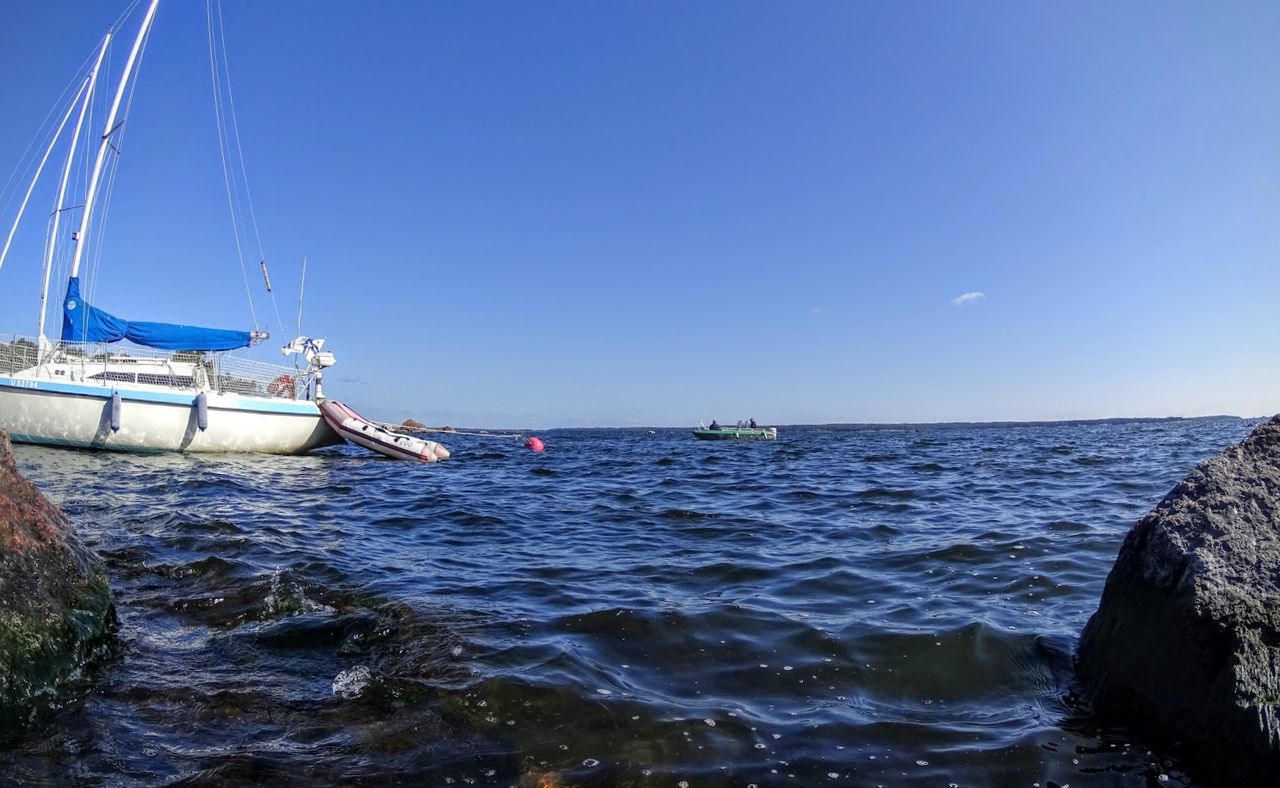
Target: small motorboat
x,y
362,432
718,433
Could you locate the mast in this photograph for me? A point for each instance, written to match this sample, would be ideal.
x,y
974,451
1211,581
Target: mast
x,y
52,143
109,129
62,186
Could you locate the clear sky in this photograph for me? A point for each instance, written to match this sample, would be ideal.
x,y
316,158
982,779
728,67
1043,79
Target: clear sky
x,y
629,213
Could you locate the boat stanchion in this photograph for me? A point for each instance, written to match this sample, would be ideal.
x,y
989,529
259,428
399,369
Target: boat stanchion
x,y
115,411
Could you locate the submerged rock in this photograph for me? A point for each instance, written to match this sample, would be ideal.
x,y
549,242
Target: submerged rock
x,y
1185,644
55,604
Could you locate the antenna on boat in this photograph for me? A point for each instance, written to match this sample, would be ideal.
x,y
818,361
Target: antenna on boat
x,y
302,288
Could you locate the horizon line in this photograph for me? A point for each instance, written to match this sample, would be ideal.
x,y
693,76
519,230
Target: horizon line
x,y
996,422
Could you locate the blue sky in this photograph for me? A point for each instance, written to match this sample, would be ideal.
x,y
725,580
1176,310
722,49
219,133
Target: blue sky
x,y
562,214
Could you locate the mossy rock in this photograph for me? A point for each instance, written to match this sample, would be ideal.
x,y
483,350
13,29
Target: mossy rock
x,y
55,603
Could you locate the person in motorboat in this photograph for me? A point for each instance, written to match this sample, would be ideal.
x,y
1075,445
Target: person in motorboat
x,y
715,425
753,423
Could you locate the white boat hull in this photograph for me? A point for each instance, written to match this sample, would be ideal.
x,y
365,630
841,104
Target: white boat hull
x,y
71,414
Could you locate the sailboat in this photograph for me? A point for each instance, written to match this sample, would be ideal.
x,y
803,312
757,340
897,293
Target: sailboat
x,y
127,385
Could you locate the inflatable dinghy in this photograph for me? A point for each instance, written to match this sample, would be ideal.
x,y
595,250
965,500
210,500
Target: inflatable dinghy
x,y
362,432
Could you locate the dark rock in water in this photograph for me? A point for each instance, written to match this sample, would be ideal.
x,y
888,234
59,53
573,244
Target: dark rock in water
x,y
55,604
1185,644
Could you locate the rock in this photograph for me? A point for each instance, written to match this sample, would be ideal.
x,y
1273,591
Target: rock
x,y
55,604
409,425
1185,645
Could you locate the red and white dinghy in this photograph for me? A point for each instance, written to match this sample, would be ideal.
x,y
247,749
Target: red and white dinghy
x,y
362,432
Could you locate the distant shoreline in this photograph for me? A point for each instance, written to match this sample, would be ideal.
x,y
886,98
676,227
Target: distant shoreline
x,y
871,425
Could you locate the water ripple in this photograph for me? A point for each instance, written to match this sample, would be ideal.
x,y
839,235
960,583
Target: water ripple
x,y
850,604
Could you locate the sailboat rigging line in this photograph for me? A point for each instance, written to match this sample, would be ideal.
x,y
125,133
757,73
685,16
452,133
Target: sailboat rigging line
x,y
51,236
223,144
40,169
235,128
128,12
102,148
64,253
23,165
244,167
119,130
81,77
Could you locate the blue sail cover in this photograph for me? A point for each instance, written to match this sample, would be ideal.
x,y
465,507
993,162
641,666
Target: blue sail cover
x,y
83,323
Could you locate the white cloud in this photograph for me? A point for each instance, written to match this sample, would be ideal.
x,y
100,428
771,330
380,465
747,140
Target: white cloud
x,y
967,298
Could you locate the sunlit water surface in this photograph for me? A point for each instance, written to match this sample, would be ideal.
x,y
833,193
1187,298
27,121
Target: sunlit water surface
x,y
847,605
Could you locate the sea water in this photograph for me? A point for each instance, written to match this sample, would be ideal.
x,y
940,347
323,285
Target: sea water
x,y
854,605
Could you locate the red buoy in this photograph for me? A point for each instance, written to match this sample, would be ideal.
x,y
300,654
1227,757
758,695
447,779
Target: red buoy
x,y
533,443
